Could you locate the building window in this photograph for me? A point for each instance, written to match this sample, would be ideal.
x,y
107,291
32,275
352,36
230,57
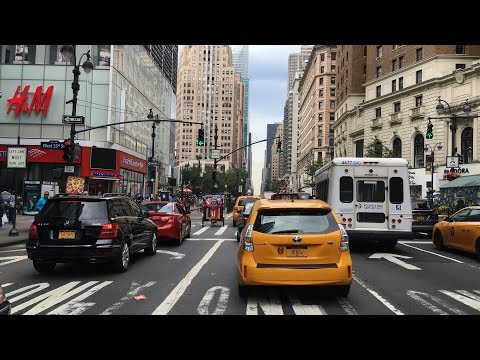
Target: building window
x,y
419,53
400,83
364,69
419,151
322,69
397,148
467,145
364,51
418,100
379,51
332,116
459,66
379,71
18,54
332,80
394,64
332,104
332,92
333,68
460,49
379,90
320,93
334,56
396,107
401,62
322,57
359,148
321,81
394,85
418,76
378,113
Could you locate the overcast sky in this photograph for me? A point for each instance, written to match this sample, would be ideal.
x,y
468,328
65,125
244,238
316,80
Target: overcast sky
x,y
268,74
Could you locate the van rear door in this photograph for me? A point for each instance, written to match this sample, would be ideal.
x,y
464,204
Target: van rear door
x,y
370,204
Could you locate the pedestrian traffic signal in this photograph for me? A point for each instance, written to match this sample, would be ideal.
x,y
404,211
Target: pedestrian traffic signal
x,y
460,159
279,146
68,151
201,137
429,134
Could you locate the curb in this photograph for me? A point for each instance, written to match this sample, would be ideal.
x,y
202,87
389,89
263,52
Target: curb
x,y
13,242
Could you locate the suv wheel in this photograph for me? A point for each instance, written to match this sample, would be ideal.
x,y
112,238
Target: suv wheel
x,y
152,249
120,264
44,267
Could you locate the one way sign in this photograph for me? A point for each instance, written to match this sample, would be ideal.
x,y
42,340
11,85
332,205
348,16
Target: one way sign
x,y
69,119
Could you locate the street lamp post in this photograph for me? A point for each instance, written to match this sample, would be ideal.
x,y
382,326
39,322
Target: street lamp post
x,y
437,146
69,52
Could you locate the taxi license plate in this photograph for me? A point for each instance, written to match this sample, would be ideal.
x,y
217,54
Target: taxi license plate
x,y
297,251
420,217
66,235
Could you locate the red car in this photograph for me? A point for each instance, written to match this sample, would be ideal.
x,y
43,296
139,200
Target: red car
x,y
172,220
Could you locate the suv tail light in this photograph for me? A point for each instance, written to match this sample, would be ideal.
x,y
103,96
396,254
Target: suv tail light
x,y
33,234
248,242
344,240
108,231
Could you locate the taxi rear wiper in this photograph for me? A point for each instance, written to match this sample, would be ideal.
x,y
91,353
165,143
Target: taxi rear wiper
x,y
291,231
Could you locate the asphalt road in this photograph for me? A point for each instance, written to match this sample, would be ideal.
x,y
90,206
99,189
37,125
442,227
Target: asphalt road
x,y
199,277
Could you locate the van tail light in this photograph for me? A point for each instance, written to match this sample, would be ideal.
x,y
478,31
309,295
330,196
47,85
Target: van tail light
x,y
393,221
399,221
33,233
247,241
344,240
108,231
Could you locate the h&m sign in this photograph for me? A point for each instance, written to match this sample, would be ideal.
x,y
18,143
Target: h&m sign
x,y
40,101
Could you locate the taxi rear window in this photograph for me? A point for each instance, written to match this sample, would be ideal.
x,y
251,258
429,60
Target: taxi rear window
x,y
285,221
242,202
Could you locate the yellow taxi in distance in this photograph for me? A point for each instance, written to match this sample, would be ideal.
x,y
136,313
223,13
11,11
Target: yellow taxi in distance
x,y
294,242
460,231
240,203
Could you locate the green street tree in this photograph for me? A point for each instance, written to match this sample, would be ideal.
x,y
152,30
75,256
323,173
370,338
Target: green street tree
x,y
377,149
311,169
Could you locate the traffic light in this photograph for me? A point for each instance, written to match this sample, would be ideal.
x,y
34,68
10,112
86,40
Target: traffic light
x,y
201,137
460,159
429,134
152,176
68,151
279,146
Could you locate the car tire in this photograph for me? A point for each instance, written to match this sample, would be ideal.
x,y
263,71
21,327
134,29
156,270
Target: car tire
x,y
43,268
243,291
121,263
438,240
189,230
342,290
178,241
152,248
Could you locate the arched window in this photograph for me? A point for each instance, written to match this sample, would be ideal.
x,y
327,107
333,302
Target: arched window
x,y
467,145
418,151
397,148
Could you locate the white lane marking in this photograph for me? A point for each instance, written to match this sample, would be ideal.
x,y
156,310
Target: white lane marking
x,y
303,309
477,291
5,260
415,295
379,297
134,290
221,230
52,297
270,305
469,294
175,255
34,288
207,299
415,242
6,284
3,251
347,307
394,259
431,252
193,225
209,239
76,306
202,230
167,304
468,300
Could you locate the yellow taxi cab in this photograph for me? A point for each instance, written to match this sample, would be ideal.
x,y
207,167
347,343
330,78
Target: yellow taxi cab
x,y
294,242
460,231
240,203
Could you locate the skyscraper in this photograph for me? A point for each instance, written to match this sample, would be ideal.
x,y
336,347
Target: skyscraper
x,y
206,93
296,62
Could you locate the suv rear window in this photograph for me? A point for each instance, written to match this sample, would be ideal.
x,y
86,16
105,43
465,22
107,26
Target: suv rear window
x,y
420,205
295,222
73,211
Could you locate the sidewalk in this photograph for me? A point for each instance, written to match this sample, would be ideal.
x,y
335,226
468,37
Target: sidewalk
x,y
22,225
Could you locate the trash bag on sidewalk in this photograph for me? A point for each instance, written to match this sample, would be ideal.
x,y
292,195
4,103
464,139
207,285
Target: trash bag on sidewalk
x,y
4,219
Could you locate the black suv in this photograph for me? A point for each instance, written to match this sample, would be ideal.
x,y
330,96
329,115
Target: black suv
x,y
424,217
82,228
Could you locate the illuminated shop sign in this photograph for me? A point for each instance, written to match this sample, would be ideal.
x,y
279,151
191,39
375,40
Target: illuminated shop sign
x,y
40,101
